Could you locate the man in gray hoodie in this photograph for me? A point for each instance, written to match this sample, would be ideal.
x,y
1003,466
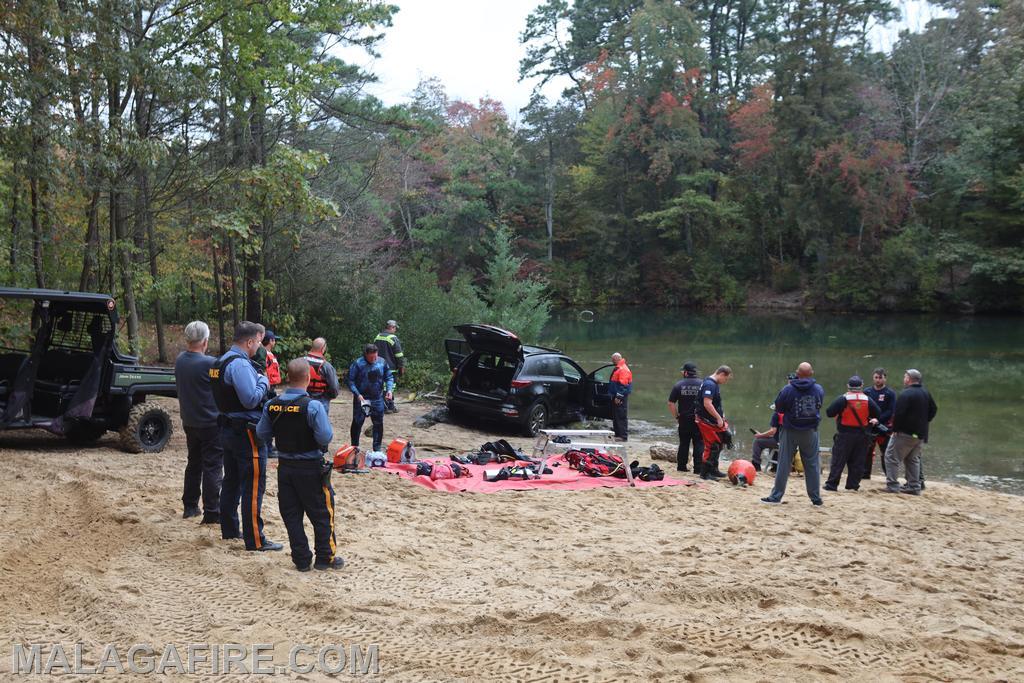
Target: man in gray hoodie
x,y
799,404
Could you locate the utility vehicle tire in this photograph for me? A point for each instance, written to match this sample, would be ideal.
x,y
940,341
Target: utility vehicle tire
x,y
536,419
148,429
85,433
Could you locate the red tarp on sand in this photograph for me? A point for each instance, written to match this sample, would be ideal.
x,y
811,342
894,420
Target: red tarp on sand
x,y
561,479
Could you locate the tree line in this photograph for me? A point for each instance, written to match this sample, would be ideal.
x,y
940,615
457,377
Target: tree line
x,y
219,159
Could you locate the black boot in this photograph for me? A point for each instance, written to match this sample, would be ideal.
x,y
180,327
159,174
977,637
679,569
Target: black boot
x,y
715,473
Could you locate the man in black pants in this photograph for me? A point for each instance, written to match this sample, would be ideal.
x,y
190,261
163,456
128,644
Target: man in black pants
x,y
682,403
886,400
205,469
240,391
854,413
302,432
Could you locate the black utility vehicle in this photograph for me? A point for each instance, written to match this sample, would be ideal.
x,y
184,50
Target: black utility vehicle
x,y
494,376
63,372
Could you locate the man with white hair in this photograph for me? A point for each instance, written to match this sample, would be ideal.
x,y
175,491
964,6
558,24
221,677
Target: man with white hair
x,y
204,470
620,386
915,408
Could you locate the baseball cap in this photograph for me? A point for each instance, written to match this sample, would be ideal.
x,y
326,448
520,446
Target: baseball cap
x,y
688,367
855,381
391,323
269,336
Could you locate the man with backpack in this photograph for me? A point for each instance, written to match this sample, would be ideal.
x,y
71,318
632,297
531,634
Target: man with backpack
x,y
855,412
799,403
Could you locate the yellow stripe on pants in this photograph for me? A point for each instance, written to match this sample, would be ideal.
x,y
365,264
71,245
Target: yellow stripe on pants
x,y
255,490
330,508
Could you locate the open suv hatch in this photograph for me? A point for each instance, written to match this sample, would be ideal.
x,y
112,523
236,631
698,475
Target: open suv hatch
x,y
496,377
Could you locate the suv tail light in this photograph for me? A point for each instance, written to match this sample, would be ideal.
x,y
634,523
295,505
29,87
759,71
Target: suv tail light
x,y
520,383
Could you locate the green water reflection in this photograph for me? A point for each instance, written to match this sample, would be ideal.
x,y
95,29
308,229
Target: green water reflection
x,y
974,368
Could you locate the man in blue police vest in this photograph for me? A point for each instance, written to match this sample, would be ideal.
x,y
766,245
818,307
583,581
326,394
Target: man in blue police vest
x,y
301,431
370,380
239,391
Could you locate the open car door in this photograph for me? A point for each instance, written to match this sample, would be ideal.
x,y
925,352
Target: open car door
x,y
457,350
596,401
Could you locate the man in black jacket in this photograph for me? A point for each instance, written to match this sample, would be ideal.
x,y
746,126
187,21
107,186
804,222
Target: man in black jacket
x,y
682,403
915,408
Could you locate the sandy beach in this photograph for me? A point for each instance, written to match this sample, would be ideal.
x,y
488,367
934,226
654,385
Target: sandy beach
x,y
677,583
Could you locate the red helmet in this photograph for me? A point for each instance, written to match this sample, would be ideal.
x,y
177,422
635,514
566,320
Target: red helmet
x,y
742,472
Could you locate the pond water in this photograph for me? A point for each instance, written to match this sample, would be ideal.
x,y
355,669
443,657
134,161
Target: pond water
x,y
974,368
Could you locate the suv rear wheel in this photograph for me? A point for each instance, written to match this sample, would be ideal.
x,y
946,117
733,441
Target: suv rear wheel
x,y
147,430
536,419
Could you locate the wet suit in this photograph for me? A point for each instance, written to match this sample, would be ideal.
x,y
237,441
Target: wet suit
x,y
371,381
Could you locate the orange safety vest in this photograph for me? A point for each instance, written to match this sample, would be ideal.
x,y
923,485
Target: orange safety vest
x,y
622,374
317,383
273,368
856,409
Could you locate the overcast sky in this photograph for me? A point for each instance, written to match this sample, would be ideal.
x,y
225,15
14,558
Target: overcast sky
x,y
473,47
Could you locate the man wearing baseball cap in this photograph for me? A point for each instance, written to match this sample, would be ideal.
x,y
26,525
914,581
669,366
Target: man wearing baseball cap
x,y
915,409
682,404
855,412
390,351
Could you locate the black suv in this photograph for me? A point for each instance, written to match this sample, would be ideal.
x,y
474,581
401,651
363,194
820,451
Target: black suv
x,y
60,370
496,377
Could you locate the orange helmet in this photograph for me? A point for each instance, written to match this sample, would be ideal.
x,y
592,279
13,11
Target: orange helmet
x,y
742,472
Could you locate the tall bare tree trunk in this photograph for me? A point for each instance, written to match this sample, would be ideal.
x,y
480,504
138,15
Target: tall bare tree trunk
x,y
218,290
233,275
15,222
549,199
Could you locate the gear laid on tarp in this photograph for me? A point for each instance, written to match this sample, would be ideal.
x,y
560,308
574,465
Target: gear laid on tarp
x,y
561,478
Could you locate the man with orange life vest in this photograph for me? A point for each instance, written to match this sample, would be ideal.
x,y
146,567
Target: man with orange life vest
x,y
886,400
323,378
710,419
239,391
855,412
273,366
301,430
620,386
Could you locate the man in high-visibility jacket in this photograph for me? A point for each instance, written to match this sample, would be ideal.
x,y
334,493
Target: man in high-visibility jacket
x,y
855,413
620,386
389,349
